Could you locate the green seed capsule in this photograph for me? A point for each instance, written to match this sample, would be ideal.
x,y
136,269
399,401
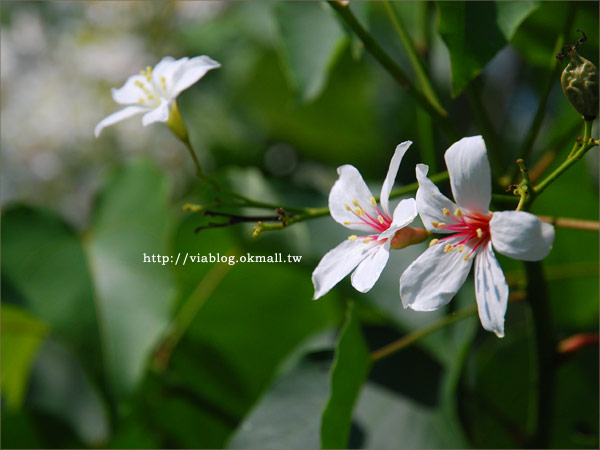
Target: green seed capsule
x,y
579,82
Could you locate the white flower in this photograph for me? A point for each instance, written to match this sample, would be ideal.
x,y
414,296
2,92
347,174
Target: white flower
x,y
153,91
474,231
352,205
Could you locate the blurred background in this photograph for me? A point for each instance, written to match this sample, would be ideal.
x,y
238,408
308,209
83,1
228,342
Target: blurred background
x,y
101,350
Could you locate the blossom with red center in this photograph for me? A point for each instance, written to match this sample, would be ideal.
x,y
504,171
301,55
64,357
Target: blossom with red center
x,y
352,205
473,232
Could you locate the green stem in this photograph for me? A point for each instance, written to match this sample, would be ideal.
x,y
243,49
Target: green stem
x,y
413,337
545,352
416,62
439,115
525,189
586,144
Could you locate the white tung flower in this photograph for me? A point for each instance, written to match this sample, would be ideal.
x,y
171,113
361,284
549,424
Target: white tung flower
x,y
153,92
473,231
352,205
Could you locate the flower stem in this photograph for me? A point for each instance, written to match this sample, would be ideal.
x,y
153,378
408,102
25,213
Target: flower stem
x,y
574,224
439,115
586,144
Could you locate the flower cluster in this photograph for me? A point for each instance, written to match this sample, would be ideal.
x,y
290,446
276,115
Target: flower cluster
x,y
470,232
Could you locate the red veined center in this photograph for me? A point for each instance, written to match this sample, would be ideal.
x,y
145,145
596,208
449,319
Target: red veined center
x,y
473,229
379,224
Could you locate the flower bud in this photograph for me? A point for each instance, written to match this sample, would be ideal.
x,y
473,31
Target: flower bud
x,y
408,236
579,82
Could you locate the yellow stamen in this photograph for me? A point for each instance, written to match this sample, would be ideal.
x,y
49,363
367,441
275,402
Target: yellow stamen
x,y
148,73
435,224
446,212
355,202
353,237
433,242
359,211
373,202
458,212
141,100
448,248
460,247
380,219
163,83
347,207
441,224
347,223
367,240
466,258
139,84
150,96
479,233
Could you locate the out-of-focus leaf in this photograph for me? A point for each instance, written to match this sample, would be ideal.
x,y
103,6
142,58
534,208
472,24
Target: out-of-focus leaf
x,y
134,297
474,32
311,39
19,430
22,336
60,387
44,261
348,373
288,416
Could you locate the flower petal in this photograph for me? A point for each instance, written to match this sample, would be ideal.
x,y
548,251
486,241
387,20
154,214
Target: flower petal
x,y
470,175
129,93
167,68
337,263
158,114
404,214
521,235
491,291
388,183
350,187
191,72
118,117
431,202
368,271
434,278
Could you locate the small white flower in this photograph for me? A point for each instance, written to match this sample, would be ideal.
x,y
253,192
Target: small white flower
x,y
474,231
154,90
352,205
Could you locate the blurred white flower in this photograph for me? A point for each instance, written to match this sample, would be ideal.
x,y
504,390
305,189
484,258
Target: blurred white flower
x,y
153,92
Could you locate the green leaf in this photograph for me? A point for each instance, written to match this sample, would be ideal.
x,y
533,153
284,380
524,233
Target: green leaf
x,y
311,40
134,297
22,336
44,261
475,31
348,373
288,416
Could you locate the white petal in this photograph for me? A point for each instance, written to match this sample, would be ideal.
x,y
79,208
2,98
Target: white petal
x,y
129,93
491,290
470,176
158,114
351,187
118,117
404,214
368,271
167,68
434,278
431,202
191,72
337,263
388,183
521,235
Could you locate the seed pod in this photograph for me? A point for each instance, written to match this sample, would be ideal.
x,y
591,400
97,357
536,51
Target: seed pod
x,y
579,82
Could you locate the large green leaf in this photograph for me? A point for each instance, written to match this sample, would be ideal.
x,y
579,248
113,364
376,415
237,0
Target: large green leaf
x,y
475,31
288,416
310,41
43,260
348,374
134,296
22,336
